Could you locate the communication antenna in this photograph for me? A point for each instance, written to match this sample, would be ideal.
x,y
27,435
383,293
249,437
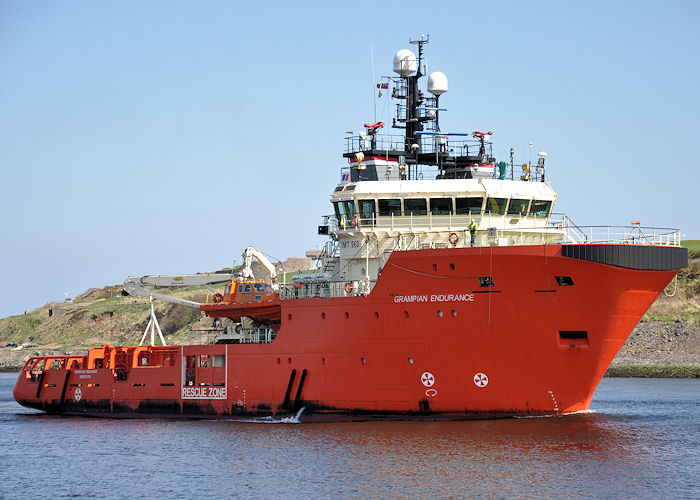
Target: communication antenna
x,y
374,93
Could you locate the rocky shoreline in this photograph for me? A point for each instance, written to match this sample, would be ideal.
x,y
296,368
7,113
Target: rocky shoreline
x,y
652,350
658,350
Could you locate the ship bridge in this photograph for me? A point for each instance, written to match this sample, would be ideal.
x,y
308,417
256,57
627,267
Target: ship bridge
x,y
428,188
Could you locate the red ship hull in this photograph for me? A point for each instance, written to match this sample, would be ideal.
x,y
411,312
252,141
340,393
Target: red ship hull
x,y
429,340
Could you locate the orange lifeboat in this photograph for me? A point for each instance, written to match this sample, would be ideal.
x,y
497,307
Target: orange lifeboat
x,y
251,298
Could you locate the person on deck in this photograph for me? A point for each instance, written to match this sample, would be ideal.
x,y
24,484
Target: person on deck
x,y
472,230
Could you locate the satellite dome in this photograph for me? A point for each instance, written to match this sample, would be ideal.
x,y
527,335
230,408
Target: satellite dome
x,y
437,83
405,62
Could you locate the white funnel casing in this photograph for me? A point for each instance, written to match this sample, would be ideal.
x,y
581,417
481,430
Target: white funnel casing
x,y
405,62
437,83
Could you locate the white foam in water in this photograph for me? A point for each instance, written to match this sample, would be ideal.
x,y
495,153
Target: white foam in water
x,y
270,420
580,412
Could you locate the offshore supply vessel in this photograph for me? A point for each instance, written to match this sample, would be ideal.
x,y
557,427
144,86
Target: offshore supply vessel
x,y
447,289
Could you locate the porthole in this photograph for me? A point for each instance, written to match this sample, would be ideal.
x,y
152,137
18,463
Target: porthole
x,y
278,361
376,314
323,315
410,361
440,312
454,313
289,317
452,266
435,267
289,361
347,315
323,361
405,314
364,360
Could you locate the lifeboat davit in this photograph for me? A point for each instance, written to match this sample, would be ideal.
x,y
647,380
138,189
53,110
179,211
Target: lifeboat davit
x,y
251,298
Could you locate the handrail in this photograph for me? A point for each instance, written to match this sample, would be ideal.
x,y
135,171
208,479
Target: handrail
x,y
524,225
326,289
631,235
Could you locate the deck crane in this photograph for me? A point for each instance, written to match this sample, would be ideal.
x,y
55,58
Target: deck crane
x,y
247,272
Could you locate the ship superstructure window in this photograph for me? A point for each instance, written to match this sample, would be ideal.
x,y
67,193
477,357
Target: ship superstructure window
x,y
389,207
240,288
540,208
518,207
468,205
339,211
349,209
496,206
415,206
441,206
248,288
367,209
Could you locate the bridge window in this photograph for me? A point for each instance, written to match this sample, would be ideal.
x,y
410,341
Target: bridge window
x,y
441,206
339,211
415,206
367,209
389,207
518,207
248,288
349,209
240,288
468,205
540,208
496,206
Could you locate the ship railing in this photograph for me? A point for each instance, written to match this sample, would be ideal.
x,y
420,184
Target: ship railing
x,y
326,289
429,143
517,229
381,142
433,143
572,232
444,222
631,235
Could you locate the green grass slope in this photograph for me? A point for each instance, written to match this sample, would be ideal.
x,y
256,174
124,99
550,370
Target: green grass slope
x,y
102,316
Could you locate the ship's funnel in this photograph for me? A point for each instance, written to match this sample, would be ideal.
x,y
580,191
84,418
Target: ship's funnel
x,y
405,62
437,83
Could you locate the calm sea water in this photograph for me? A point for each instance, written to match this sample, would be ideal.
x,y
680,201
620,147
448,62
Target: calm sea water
x,y
642,440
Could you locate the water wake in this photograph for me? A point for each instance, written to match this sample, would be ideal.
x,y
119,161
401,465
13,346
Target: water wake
x,y
269,420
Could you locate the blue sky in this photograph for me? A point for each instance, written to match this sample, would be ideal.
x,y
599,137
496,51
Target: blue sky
x,y
163,137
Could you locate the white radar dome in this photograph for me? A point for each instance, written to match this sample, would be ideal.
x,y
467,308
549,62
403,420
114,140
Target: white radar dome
x,y
405,62
437,83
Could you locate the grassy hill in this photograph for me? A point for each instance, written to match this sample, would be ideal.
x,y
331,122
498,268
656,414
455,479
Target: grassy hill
x,y
104,316
681,299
